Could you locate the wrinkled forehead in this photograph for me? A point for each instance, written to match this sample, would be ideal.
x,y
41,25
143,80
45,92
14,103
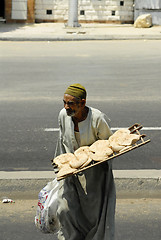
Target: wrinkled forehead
x,y
70,98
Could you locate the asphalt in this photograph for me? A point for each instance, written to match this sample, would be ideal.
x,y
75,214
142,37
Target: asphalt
x,y
135,219
92,31
129,183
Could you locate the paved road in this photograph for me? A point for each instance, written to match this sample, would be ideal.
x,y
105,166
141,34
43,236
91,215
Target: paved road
x,y
122,79
136,219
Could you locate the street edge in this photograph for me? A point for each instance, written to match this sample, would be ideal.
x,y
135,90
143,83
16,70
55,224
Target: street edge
x,y
129,184
83,38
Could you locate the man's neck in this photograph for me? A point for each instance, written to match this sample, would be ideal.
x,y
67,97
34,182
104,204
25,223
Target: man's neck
x,y
82,116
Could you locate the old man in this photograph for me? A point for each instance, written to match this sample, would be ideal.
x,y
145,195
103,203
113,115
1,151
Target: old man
x,y
86,201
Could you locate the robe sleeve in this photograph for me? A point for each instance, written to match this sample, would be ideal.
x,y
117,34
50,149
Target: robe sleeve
x,y
60,140
59,146
103,129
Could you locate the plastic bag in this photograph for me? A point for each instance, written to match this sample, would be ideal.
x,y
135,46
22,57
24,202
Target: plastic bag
x,y
46,219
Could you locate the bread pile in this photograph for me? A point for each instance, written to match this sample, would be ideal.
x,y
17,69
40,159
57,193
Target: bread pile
x,y
122,139
100,150
68,162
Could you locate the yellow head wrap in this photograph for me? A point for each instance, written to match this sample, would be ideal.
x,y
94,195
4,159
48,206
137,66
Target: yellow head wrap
x,y
76,90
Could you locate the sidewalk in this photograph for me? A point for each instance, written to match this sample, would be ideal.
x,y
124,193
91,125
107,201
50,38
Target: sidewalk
x,y
92,31
129,183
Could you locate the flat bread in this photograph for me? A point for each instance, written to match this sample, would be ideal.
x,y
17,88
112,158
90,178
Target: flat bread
x,y
119,135
125,148
86,163
99,144
82,156
122,138
101,155
65,170
63,159
115,146
100,150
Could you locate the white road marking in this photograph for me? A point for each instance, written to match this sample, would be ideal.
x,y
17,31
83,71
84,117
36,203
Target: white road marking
x,y
151,128
144,128
51,129
113,129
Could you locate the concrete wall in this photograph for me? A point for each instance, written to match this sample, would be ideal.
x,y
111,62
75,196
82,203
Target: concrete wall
x,y
88,10
118,11
152,7
48,10
148,4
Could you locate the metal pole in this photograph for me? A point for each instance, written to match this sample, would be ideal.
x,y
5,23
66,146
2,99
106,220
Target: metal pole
x,y
73,13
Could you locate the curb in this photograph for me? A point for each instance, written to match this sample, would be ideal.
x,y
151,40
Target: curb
x,y
84,38
129,183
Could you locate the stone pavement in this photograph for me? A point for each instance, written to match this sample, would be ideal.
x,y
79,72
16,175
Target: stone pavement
x,y
92,31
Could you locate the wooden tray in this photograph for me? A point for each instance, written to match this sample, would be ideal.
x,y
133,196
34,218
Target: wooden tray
x,y
133,129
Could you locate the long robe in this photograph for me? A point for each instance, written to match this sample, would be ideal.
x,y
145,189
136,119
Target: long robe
x,y
86,202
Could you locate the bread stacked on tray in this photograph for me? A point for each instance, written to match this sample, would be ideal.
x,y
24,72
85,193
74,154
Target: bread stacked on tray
x,y
122,139
100,150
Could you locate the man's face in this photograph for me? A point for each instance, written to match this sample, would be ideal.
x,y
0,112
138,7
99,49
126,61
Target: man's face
x,y
72,105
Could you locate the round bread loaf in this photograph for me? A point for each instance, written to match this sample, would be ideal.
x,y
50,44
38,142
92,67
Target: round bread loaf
x,y
100,150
